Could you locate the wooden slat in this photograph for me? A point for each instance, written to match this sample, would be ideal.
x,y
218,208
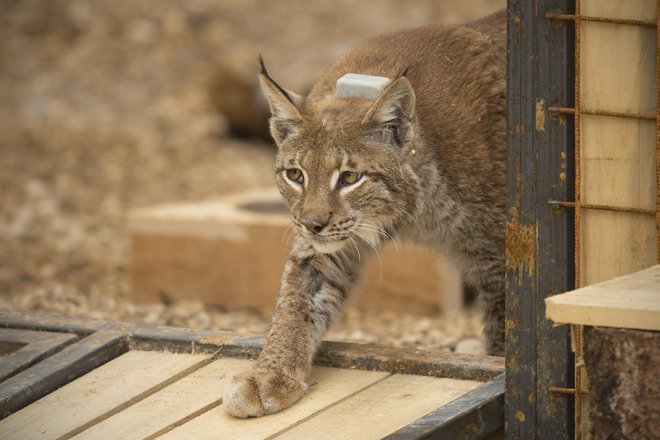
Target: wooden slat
x,y
96,394
173,405
329,385
631,301
59,369
37,346
381,409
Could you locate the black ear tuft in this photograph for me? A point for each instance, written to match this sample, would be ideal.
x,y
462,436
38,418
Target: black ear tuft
x,y
263,66
264,72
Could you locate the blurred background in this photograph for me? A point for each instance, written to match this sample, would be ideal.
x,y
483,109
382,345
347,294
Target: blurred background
x,y
111,105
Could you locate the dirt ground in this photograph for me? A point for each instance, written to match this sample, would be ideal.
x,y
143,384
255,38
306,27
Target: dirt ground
x,y
104,106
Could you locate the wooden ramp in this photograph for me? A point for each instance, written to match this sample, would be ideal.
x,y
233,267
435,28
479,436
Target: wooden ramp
x,y
154,390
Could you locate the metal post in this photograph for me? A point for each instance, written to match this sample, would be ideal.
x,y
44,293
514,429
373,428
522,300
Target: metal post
x,y
539,242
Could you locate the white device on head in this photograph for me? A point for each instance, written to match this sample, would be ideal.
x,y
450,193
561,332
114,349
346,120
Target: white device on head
x,y
361,86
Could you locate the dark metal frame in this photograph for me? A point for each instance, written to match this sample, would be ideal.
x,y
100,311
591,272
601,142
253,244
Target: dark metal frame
x,y
539,238
89,343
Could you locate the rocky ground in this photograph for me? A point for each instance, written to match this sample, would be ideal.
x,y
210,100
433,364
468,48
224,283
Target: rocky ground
x,y
113,104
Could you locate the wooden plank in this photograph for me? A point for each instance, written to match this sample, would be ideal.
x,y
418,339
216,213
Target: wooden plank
x,y
329,385
173,405
94,395
381,409
539,239
37,346
477,414
631,301
59,369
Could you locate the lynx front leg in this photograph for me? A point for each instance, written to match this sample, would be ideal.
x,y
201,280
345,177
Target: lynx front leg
x,y
312,293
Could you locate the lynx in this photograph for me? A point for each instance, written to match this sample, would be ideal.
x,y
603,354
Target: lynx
x,y
424,162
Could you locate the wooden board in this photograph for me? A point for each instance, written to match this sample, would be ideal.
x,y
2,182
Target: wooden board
x,y
232,251
164,410
381,409
631,301
618,155
96,394
329,385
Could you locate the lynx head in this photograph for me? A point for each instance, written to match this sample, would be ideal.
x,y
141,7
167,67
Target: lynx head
x,y
343,163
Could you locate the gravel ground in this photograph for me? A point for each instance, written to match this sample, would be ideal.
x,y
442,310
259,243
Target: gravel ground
x,y
104,106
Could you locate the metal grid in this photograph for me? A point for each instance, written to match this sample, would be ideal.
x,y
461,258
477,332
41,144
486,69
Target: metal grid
x,y
577,111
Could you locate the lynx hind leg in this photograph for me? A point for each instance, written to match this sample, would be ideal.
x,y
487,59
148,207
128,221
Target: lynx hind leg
x,y
488,280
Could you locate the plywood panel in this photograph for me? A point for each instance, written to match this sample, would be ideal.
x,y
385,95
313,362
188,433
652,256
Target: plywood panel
x,y
95,394
646,10
618,166
615,244
381,409
329,386
617,67
195,392
618,156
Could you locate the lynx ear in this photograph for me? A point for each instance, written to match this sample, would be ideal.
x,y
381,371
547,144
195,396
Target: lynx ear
x,y
285,107
391,118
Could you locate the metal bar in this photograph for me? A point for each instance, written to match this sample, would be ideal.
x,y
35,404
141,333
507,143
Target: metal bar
x,y
409,361
59,369
539,253
553,15
657,145
631,115
474,415
576,330
560,390
557,204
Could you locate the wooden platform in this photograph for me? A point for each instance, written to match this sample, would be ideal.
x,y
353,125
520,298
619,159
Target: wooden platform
x,y
98,380
631,301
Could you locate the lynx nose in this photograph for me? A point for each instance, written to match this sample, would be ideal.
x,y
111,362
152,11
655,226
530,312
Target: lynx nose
x,y
314,223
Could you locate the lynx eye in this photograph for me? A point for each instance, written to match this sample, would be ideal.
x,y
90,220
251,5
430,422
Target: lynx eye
x,y
348,178
295,175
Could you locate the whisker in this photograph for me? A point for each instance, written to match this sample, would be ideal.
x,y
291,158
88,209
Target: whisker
x,y
380,276
287,231
356,247
381,231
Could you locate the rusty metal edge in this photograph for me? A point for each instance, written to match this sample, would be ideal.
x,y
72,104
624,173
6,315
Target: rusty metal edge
x,y
228,344
59,369
36,347
473,416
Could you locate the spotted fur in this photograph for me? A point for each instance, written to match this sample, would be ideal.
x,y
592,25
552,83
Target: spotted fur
x,y
430,157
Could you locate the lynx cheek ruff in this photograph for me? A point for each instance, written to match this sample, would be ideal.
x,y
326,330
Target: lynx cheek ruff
x,y
361,86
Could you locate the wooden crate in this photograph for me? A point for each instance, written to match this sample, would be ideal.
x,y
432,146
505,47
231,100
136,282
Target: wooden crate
x,y
232,251
129,381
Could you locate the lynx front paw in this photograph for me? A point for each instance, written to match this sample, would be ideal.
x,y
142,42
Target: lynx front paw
x,y
260,392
